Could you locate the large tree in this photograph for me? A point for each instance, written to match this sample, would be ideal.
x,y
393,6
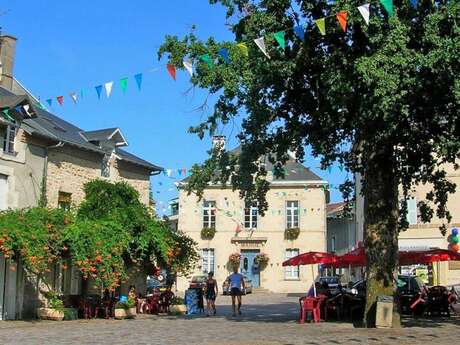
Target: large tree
x,y
381,99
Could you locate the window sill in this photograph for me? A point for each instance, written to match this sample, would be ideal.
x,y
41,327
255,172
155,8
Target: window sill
x,y
292,279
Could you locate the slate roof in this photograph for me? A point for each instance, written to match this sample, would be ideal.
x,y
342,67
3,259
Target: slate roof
x,y
52,127
295,171
99,134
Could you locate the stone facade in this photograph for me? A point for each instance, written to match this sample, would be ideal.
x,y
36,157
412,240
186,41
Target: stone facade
x,y
268,237
69,168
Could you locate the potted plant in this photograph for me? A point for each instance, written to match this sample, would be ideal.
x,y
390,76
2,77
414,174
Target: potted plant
x,y
178,306
234,259
261,259
291,233
208,233
54,309
125,309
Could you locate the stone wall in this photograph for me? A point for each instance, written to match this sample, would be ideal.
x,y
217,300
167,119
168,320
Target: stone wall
x,y
70,168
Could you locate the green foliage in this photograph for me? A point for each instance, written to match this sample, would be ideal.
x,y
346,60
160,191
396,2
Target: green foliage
x,y
291,233
208,233
35,234
391,85
128,304
54,302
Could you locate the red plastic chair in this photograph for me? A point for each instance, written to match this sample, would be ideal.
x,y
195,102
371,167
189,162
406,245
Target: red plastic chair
x,y
309,306
153,304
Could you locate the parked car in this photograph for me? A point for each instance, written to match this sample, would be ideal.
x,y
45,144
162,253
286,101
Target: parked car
x,y
247,285
198,282
333,284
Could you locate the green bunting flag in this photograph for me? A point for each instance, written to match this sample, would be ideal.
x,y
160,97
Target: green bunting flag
x,y
124,84
321,24
279,37
7,115
388,5
206,59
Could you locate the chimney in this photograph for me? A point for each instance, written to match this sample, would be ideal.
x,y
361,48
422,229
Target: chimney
x,y
218,141
7,52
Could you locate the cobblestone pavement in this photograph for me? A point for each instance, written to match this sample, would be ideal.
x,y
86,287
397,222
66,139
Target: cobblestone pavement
x,y
267,319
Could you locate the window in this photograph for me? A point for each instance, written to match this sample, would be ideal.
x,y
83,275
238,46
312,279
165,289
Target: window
x,y
64,200
292,214
3,192
209,214
207,260
8,140
411,210
333,244
250,216
291,272
105,166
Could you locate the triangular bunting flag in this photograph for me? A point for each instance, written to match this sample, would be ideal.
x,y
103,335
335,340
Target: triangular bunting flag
x,y
179,171
260,42
184,171
299,32
138,78
279,37
413,3
188,66
365,12
7,115
342,18
171,70
388,5
49,101
98,90
60,99
341,167
124,84
224,53
73,95
82,92
243,47
108,88
321,24
207,59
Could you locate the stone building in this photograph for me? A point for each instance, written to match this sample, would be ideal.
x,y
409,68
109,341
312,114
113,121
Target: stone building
x,y
296,201
43,157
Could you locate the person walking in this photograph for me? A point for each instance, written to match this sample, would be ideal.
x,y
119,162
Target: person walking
x,y
237,287
211,293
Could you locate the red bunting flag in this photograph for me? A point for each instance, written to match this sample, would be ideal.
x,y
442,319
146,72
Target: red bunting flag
x,y
342,18
60,99
171,70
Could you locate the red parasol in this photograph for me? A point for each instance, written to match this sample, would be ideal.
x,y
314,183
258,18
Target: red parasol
x,y
427,256
311,258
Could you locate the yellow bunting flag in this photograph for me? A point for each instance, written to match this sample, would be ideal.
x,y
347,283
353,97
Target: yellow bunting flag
x,y
243,47
321,24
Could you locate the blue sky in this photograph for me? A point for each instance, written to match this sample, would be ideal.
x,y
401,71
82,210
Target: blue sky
x,y
66,46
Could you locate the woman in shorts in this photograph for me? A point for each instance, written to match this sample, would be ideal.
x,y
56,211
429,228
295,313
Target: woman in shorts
x,y
211,293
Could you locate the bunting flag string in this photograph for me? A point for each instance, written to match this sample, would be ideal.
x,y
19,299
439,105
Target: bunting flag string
x,y
279,37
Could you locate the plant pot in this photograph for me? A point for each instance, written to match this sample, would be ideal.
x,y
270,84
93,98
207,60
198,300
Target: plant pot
x,y
50,314
178,309
122,313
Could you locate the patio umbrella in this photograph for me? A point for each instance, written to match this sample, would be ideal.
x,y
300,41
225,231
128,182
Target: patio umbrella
x,y
427,256
356,257
311,258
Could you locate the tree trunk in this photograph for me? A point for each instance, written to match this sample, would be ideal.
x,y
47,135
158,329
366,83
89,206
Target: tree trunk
x,y
381,209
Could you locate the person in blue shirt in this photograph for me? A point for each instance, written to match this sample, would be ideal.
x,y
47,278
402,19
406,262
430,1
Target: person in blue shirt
x,y
237,287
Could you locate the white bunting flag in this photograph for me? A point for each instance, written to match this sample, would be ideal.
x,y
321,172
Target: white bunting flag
x,y
108,88
261,44
188,66
169,172
73,95
365,10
